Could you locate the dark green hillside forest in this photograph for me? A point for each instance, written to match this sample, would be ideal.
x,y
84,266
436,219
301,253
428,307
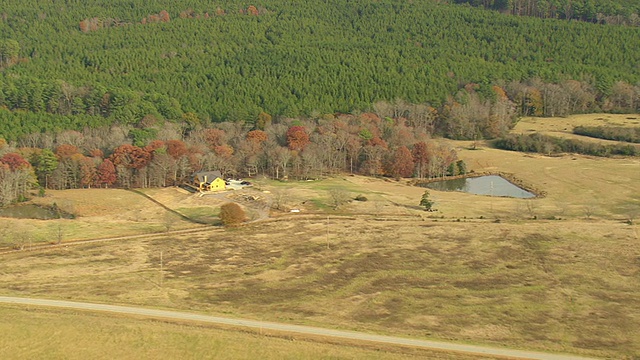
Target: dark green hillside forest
x,y
143,93
227,61
616,12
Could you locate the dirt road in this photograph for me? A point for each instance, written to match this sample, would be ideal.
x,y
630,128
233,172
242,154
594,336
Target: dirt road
x,y
291,329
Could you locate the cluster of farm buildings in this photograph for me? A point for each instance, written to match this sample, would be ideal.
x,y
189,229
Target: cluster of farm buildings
x,y
210,181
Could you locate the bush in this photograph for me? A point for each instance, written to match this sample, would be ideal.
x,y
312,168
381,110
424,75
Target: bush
x,y
616,133
232,214
549,145
425,201
361,198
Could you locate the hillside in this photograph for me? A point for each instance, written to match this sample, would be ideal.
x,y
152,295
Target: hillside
x,y
617,12
119,62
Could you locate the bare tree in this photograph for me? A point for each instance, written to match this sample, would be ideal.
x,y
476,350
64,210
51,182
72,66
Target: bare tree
x,y
280,198
70,137
168,220
589,210
563,208
581,96
531,208
338,197
624,97
556,100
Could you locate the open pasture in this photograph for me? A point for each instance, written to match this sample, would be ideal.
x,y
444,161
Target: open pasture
x,y
556,273
563,126
71,335
570,288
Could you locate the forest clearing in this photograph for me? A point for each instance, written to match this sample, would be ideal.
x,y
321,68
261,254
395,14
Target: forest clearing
x,y
555,273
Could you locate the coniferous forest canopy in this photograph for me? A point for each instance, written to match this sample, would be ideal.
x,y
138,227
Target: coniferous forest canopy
x,y
620,12
289,59
267,87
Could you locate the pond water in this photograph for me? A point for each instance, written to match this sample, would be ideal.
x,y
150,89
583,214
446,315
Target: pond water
x,y
491,185
30,211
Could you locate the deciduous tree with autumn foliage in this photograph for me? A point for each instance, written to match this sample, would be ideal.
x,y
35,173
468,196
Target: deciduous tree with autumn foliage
x,y
297,138
401,163
16,178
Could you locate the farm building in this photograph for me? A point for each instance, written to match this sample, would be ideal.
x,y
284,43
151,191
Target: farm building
x,y
209,181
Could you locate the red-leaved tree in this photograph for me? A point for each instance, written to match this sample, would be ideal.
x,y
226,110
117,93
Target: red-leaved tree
x,y
257,136
252,10
106,173
164,16
14,161
66,151
130,156
297,138
88,172
215,137
401,163
421,159
176,148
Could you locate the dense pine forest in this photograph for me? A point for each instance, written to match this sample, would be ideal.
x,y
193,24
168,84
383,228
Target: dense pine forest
x,y
197,85
231,60
618,12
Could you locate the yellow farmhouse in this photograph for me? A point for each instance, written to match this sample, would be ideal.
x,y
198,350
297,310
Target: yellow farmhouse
x,y
209,181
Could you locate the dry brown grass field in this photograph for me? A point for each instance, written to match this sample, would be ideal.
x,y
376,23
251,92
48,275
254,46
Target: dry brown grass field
x,y
556,273
563,126
71,335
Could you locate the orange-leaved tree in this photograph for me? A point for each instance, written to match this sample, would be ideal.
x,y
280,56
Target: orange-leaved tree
x,y
106,173
401,163
297,138
232,214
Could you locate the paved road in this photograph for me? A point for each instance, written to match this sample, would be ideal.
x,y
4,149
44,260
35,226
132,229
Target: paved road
x,y
306,330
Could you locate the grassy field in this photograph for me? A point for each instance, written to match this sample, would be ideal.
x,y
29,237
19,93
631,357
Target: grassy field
x,y
72,335
570,288
557,273
563,127
574,186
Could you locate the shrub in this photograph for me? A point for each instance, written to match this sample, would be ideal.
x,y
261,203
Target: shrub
x,y
232,214
425,201
361,198
549,145
616,133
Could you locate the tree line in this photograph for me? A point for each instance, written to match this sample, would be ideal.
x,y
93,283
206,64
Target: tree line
x,y
549,145
618,12
117,156
474,111
616,133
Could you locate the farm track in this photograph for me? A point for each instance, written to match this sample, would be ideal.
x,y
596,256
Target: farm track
x,y
54,246
299,330
184,217
199,230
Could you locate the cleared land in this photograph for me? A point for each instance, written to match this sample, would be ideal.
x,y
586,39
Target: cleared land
x,y
563,126
382,265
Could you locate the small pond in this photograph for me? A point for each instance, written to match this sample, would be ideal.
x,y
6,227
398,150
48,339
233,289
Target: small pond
x,y
30,211
491,185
